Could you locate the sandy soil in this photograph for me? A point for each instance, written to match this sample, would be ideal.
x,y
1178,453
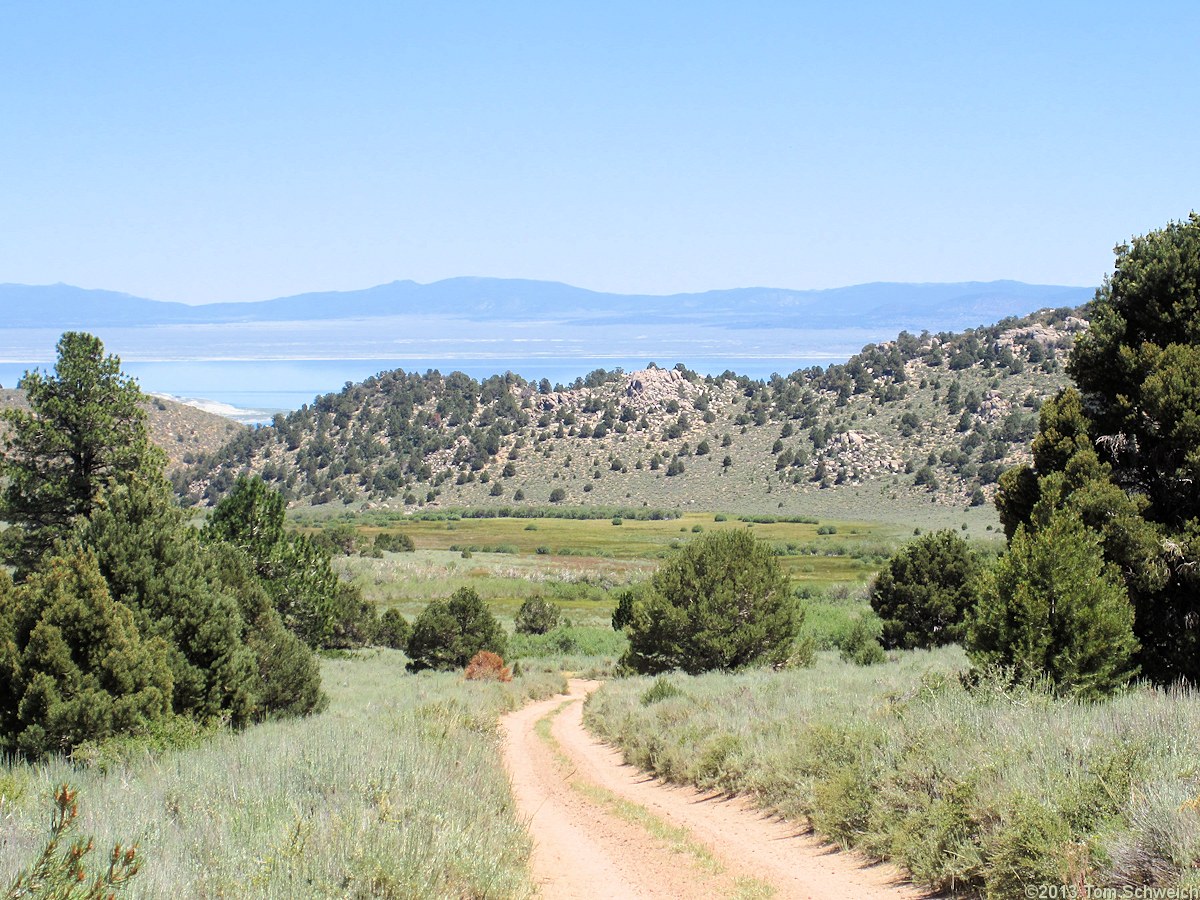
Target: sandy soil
x,y
604,829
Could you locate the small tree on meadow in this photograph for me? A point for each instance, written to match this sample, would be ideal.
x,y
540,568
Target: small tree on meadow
x,y
1055,608
925,592
392,629
536,616
447,634
722,603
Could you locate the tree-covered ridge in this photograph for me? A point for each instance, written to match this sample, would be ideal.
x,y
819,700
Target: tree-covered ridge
x,y
944,412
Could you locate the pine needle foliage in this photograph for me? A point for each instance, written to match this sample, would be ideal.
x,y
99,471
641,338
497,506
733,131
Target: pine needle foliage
x,y
85,427
61,874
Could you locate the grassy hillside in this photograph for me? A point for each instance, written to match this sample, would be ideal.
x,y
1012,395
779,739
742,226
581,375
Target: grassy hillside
x,y
183,432
929,419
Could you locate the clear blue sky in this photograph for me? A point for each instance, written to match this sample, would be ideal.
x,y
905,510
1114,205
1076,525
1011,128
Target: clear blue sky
x,y
239,151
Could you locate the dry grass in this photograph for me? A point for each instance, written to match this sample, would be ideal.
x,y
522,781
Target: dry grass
x,y
982,791
396,791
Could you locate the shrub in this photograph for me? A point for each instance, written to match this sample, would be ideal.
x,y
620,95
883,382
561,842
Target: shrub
x,y
394,542
721,603
1054,607
925,592
662,689
487,666
75,666
392,629
577,640
447,634
536,616
558,495
860,644
339,538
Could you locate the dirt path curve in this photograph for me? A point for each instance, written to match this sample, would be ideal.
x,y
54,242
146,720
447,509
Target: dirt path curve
x,y
604,829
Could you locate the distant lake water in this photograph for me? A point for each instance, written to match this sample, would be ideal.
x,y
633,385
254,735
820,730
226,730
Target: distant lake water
x,y
260,388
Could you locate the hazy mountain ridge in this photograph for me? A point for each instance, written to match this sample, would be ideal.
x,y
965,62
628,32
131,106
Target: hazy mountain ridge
x,y
937,306
934,416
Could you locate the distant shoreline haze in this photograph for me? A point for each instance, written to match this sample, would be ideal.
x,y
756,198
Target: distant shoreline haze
x,y
279,354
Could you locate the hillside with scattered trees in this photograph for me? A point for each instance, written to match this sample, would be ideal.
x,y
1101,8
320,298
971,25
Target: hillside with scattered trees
x,y
928,417
184,433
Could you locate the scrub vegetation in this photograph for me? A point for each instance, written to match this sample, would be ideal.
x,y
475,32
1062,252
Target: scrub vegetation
x,y
395,791
975,787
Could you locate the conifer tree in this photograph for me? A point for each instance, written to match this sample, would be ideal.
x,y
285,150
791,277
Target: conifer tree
x,y
721,603
925,591
1122,448
75,665
447,634
295,572
1055,608
85,428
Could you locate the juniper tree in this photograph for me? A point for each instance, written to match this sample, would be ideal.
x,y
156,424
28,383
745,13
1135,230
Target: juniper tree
x,y
721,603
448,633
1122,448
1056,609
925,591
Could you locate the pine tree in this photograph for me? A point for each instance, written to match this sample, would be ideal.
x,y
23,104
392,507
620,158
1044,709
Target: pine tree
x,y
76,665
85,429
295,572
155,564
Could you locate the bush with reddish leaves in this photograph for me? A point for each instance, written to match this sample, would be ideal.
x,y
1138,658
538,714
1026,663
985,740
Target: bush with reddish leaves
x,y
487,666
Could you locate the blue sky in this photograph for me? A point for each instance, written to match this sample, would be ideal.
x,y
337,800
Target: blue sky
x,y
239,151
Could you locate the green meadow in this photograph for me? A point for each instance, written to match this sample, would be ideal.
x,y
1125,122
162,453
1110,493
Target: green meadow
x,y
579,562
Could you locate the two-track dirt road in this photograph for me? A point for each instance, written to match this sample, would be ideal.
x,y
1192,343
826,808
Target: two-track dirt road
x,y
604,829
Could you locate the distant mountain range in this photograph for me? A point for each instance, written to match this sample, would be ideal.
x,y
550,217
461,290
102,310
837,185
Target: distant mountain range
x,y
880,305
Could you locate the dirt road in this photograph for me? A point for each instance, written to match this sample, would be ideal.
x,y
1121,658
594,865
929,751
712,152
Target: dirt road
x,y
603,829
